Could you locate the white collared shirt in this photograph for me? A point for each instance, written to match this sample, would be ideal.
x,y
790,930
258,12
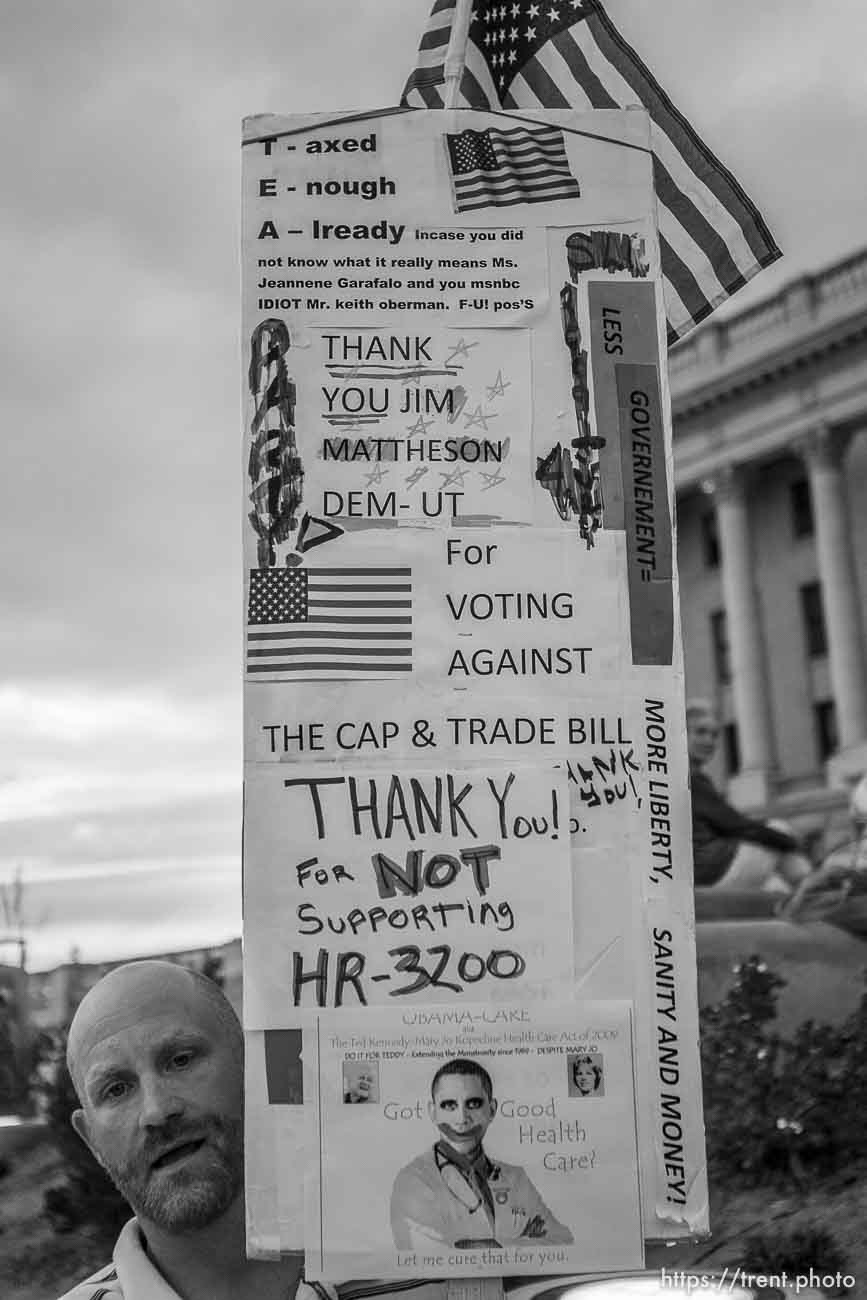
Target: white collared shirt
x,y
133,1276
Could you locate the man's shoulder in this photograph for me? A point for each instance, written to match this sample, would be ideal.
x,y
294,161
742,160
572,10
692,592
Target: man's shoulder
x,y
423,1166
102,1285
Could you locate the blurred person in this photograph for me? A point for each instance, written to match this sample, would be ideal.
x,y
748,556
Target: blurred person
x,y
731,851
454,1194
837,891
155,1052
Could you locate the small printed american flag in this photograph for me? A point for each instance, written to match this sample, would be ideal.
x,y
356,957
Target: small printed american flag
x,y
330,623
498,168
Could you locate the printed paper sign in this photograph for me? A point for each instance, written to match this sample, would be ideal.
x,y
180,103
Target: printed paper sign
x,y
398,428
423,884
473,1141
465,608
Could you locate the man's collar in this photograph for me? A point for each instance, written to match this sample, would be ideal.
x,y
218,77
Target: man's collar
x,y
140,1279
475,1161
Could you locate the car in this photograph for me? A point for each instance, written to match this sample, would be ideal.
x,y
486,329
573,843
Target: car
x,y
680,1283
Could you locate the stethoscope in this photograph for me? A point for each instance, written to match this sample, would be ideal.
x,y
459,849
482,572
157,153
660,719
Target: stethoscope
x,y
457,1184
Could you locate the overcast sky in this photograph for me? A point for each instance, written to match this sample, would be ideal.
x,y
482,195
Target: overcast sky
x,y
120,735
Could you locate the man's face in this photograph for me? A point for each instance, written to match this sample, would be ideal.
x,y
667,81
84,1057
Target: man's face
x,y
462,1110
162,1111
702,730
360,1086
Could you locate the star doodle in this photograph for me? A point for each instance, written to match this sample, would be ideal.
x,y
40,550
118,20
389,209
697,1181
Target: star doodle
x,y
418,473
478,417
421,426
455,476
376,475
498,387
461,349
492,480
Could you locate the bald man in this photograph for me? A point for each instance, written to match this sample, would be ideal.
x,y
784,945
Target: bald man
x,y
156,1055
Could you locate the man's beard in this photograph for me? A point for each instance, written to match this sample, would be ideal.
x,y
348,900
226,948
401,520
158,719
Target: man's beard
x,y
185,1199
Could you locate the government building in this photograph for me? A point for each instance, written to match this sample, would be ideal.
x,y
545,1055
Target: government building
x,y
770,451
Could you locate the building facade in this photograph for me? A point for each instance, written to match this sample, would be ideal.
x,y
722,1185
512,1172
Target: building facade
x,y
770,447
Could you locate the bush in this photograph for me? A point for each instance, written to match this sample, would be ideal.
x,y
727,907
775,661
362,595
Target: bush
x,y
775,1107
87,1195
806,1249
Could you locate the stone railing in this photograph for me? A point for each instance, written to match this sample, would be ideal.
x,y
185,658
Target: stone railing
x,y
843,279
803,301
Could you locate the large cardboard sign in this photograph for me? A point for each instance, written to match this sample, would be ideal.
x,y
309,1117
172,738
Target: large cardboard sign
x,y
465,761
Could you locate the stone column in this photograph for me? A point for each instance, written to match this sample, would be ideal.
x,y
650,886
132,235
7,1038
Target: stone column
x,y
750,690
823,453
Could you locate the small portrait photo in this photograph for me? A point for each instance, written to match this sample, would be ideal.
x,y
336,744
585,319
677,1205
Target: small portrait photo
x,y
360,1082
585,1075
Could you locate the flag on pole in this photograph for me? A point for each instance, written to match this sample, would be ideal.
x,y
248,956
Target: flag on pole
x,y
568,54
500,167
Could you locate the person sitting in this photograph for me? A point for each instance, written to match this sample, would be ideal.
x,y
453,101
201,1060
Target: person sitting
x,y
731,851
837,891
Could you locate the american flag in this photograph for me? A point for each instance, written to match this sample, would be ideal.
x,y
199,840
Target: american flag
x,y
568,54
500,167
329,623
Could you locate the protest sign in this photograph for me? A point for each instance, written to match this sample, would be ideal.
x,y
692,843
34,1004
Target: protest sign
x,y
418,883
543,1099
465,762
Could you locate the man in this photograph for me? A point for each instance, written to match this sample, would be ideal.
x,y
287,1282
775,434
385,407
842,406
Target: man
x,y
454,1194
156,1056
360,1083
730,851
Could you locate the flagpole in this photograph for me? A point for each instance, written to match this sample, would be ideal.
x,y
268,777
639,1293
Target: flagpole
x,y
457,52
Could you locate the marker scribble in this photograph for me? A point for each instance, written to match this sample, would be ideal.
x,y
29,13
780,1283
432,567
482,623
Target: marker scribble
x,y
275,468
606,250
572,477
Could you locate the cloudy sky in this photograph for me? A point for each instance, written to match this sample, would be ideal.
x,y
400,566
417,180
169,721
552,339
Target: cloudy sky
x,y
120,705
